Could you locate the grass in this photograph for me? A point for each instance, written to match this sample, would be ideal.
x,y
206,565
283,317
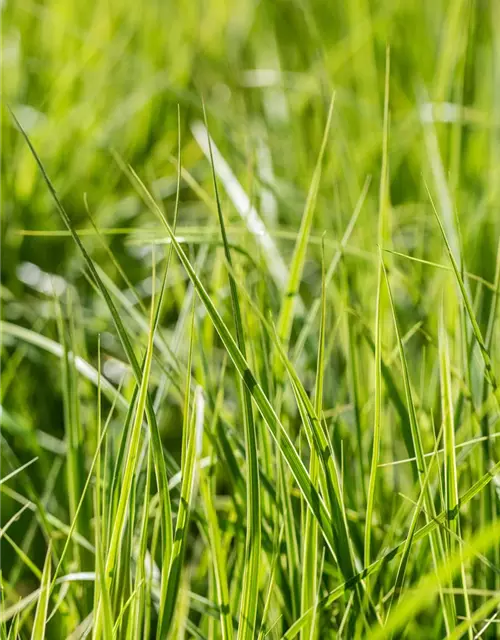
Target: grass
x,y
250,274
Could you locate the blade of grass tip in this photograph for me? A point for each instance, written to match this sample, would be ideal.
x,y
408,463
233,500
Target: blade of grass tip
x,y
316,305
382,230
250,587
14,473
291,291
40,622
428,586
490,374
243,206
160,468
272,421
311,545
14,518
437,544
450,461
131,461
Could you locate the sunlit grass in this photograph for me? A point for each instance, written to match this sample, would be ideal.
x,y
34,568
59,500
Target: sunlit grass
x,y
250,274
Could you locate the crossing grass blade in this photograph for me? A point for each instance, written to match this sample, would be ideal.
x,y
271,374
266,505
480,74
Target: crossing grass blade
x,y
430,584
351,442
316,305
403,564
480,615
399,549
262,402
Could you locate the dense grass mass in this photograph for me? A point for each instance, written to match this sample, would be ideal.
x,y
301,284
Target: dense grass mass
x,y
250,266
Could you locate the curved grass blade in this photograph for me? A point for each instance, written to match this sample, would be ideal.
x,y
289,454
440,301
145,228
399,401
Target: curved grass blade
x,y
53,347
160,468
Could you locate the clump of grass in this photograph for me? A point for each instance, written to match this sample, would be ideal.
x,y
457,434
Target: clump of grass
x,y
249,372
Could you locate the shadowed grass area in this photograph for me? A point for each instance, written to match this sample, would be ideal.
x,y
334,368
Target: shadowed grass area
x,y
249,279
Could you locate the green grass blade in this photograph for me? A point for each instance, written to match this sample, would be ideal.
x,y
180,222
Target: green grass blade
x,y
382,224
450,461
189,483
489,372
285,319
219,561
40,622
311,549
